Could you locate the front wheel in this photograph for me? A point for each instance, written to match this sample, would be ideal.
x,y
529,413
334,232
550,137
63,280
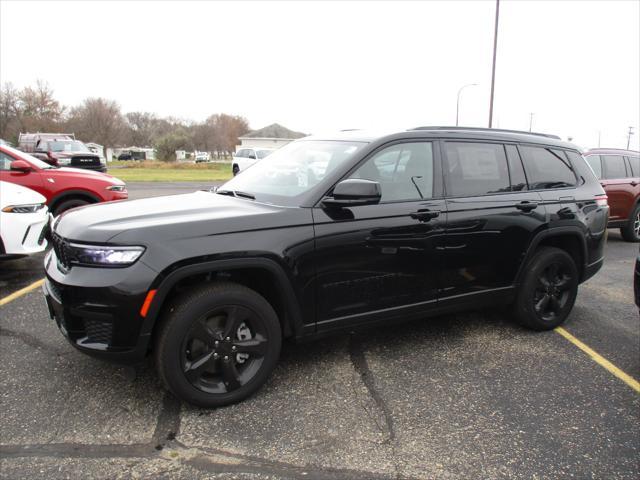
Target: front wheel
x,y
69,204
236,170
548,291
631,231
217,345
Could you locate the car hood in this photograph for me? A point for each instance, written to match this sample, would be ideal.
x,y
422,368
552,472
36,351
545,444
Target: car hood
x,y
74,154
78,173
12,194
166,219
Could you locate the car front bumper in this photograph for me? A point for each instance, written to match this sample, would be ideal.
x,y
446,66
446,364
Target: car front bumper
x,y
98,309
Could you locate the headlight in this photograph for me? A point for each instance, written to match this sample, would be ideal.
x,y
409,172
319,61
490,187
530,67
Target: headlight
x,y
96,255
117,188
31,208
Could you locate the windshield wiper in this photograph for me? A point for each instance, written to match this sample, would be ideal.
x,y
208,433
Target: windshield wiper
x,y
236,193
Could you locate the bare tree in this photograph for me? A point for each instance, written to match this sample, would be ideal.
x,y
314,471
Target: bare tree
x,y
98,120
9,110
142,128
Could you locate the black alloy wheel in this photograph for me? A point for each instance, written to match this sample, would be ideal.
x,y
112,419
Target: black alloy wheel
x,y
631,231
548,290
217,344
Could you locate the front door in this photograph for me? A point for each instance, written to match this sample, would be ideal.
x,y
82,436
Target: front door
x,y
380,261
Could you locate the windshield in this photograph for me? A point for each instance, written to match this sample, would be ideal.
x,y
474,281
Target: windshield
x,y
263,153
25,156
67,146
292,170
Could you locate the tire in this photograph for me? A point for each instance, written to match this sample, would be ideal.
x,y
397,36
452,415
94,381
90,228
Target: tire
x,y
67,204
547,294
236,170
208,362
631,231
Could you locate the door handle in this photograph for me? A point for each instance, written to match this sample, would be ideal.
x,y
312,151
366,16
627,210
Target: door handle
x,y
424,215
527,206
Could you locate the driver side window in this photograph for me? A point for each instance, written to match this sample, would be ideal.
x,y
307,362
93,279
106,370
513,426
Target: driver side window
x,y
404,171
5,162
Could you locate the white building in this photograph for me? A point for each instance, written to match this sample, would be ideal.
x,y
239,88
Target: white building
x,y
272,136
98,149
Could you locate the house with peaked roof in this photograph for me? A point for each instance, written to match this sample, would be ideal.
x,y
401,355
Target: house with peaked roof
x,y
272,136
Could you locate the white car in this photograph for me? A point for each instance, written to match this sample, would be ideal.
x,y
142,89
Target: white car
x,y
23,216
245,157
202,157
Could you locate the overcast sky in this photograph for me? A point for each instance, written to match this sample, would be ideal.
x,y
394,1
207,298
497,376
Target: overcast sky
x,y
330,65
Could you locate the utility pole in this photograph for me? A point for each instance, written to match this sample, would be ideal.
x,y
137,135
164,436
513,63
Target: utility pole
x,y
531,120
598,138
458,100
629,137
493,69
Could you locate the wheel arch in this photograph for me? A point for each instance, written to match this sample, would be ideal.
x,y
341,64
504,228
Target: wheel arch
x,y
70,194
263,275
569,239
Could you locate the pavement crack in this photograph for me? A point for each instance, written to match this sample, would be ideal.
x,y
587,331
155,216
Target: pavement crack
x,y
31,341
168,424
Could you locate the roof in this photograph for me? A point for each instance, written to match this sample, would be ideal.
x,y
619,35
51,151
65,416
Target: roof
x,y
274,130
612,151
447,132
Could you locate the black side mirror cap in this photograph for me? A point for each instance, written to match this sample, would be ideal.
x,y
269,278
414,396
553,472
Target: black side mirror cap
x,y
354,192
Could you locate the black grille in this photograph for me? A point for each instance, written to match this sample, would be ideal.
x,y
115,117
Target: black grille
x,y
88,161
98,332
62,249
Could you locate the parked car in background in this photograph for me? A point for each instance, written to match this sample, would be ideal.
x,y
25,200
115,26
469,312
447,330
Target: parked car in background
x,y
201,157
61,150
23,218
64,188
619,173
392,228
245,157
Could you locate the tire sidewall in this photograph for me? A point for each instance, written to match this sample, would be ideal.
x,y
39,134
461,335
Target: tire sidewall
x,y
628,232
525,309
69,204
180,321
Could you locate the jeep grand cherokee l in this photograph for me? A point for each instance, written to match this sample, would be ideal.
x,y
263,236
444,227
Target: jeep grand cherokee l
x,y
394,227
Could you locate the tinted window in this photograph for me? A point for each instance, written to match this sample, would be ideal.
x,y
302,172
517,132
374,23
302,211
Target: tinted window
x,y
614,166
404,171
594,163
547,168
241,153
635,165
516,171
476,168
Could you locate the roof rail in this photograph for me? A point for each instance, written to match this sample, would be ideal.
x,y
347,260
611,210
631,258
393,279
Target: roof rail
x,y
501,130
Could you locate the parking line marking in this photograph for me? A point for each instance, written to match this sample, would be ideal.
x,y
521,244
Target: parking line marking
x,y
21,292
600,360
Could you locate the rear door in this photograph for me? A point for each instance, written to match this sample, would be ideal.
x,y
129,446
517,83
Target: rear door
x,y
617,181
491,217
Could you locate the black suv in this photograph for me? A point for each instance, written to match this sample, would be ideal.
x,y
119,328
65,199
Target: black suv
x,y
332,233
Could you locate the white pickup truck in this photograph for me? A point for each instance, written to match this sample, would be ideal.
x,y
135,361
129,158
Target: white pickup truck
x,y
245,157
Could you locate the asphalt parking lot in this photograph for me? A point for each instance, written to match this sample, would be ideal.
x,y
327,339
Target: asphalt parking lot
x,y
461,396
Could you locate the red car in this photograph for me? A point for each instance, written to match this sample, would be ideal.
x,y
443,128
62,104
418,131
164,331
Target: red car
x,y
619,173
64,188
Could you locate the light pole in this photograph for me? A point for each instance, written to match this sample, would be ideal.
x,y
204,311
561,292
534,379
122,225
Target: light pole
x,y
493,68
629,137
531,120
458,100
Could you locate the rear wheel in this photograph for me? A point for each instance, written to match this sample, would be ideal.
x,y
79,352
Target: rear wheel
x,y
218,344
236,170
548,292
631,231
67,204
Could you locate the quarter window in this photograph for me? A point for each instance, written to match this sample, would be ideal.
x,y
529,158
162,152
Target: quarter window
x,y
547,168
404,171
634,162
614,166
476,169
516,171
595,164
5,161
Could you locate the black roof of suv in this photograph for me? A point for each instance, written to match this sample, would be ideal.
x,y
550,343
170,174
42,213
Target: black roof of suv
x,y
334,232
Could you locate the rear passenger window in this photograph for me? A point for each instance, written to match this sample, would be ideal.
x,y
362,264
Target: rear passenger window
x,y
476,169
547,168
635,166
594,163
518,180
614,166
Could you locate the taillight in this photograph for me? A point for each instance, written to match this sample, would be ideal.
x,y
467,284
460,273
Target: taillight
x,y
601,200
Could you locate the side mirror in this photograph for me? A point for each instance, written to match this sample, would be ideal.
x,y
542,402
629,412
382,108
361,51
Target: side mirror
x,y
20,166
354,192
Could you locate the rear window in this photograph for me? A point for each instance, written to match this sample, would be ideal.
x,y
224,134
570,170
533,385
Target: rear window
x,y
476,168
547,168
635,165
594,163
614,166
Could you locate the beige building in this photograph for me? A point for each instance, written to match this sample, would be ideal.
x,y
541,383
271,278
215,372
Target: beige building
x,y
273,136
